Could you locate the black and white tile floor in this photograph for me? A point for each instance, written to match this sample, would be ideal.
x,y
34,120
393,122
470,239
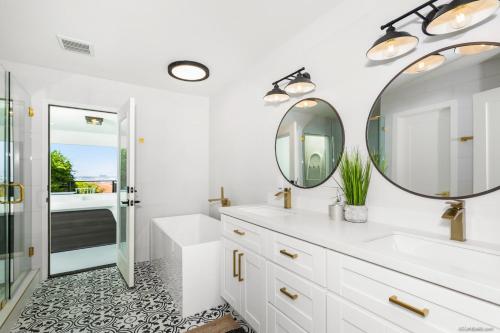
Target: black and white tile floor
x,y
99,301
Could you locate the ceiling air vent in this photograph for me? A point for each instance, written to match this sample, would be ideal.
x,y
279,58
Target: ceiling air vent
x,y
75,45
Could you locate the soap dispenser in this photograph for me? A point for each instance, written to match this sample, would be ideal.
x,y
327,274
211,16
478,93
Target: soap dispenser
x,y
336,210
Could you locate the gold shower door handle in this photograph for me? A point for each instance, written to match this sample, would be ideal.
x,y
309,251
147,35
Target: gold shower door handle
x,y
240,279
5,193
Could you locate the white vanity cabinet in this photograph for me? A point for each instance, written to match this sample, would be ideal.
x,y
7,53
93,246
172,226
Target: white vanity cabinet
x,y
294,286
243,272
410,304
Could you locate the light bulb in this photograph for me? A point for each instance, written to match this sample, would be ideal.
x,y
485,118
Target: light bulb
x,y
461,20
391,49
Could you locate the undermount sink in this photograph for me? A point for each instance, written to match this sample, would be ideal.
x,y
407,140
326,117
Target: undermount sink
x,y
442,253
265,211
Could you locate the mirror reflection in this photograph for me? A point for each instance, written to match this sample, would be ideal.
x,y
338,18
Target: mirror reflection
x,y
309,143
435,129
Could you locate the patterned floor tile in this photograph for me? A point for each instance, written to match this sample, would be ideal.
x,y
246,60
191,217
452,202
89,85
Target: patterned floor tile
x,y
99,301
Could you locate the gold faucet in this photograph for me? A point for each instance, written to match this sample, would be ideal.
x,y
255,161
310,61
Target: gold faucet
x,y
287,196
456,215
225,202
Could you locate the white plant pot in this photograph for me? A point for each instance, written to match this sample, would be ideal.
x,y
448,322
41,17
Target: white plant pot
x,y
356,214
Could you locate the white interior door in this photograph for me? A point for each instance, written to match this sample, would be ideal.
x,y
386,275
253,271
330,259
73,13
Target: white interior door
x,y
126,186
486,140
422,150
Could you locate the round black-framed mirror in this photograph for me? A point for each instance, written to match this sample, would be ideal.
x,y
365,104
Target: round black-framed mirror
x,y
429,130
309,142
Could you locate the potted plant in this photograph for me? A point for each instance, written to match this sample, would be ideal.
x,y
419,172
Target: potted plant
x,y
355,174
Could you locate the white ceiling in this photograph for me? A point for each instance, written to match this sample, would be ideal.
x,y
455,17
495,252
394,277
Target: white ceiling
x,y
135,40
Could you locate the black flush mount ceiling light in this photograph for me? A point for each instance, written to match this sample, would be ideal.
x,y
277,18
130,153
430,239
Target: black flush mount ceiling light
x,y
452,17
299,83
187,70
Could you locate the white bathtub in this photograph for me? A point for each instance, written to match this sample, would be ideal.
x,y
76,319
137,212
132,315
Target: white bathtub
x,y
186,250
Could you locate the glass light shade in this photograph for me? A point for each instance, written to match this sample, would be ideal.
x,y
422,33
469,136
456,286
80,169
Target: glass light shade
x,y
427,64
186,70
302,84
276,95
392,44
306,103
474,49
460,14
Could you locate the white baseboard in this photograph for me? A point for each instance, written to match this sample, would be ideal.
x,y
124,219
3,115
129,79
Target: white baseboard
x,y
10,313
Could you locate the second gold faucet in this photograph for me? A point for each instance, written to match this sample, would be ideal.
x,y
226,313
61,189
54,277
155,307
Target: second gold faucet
x,y
287,197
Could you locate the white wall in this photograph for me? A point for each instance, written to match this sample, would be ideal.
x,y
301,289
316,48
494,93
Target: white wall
x,y
171,166
243,128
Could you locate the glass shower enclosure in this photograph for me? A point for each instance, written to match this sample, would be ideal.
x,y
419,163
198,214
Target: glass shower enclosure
x,y
15,173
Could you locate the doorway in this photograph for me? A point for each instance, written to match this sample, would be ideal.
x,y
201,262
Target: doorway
x,y
83,184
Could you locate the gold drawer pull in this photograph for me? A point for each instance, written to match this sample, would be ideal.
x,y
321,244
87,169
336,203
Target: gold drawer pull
x,y
240,279
234,263
288,254
421,312
288,294
238,232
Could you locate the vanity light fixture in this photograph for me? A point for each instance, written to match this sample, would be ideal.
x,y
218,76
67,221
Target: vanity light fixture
x,y
393,44
187,70
276,95
452,17
474,49
302,84
306,103
458,15
429,63
299,83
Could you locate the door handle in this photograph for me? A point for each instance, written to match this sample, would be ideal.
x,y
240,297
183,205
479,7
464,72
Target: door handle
x,y
240,279
5,193
234,263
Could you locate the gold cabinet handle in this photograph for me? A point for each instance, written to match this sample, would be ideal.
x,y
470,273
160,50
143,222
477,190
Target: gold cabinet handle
x,y
234,263
238,232
288,254
240,279
293,297
421,312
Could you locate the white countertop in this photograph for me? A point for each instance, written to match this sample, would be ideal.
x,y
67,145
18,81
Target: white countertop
x,y
351,239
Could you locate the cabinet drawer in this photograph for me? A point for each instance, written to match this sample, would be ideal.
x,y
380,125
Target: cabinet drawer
x,y
300,300
441,310
301,257
279,323
246,234
345,317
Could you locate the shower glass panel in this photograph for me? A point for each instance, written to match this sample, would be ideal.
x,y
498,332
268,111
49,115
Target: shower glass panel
x,y
4,208
19,149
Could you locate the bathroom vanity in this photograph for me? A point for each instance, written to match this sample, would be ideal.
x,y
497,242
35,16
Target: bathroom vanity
x,y
296,271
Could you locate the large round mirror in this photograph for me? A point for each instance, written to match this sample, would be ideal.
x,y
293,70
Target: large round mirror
x,y
309,143
435,129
